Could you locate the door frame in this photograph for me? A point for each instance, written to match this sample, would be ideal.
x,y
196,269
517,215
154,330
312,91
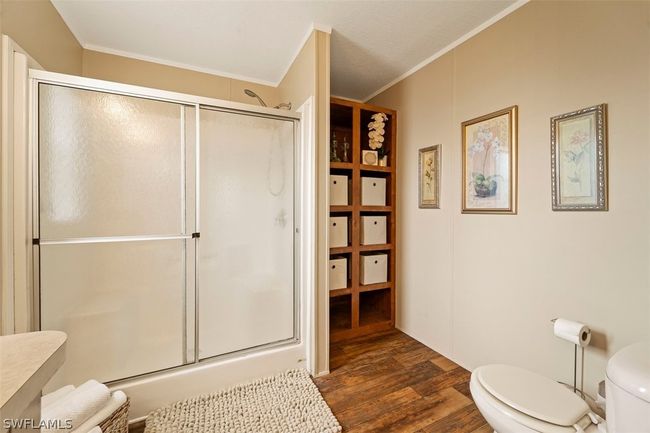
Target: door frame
x,y
15,191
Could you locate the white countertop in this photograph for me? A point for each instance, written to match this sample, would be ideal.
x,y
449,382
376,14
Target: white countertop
x,y
27,362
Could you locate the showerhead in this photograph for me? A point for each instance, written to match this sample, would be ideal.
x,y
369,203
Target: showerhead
x,y
252,94
249,92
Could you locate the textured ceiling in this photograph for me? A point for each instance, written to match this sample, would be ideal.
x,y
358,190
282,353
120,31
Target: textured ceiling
x,y
373,42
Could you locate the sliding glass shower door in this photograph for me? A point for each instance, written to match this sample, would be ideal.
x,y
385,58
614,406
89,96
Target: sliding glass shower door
x,y
246,266
165,234
116,259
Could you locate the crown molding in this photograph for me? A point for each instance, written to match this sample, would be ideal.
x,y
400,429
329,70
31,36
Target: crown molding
x,y
180,65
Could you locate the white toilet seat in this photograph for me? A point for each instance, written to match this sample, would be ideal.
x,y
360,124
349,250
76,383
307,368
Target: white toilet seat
x,y
506,419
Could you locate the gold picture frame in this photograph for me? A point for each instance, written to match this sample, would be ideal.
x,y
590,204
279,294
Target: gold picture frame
x,y
489,148
429,162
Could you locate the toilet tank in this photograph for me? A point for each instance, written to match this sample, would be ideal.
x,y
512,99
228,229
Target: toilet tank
x,y
628,390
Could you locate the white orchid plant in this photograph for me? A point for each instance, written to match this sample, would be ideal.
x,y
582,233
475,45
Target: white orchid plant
x,y
487,144
376,131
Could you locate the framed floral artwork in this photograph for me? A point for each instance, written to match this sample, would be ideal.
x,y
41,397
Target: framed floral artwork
x,y
579,159
490,163
429,177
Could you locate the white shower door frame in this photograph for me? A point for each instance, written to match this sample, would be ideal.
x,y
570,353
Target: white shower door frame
x,y
154,389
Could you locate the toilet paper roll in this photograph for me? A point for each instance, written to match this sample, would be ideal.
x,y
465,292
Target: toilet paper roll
x,y
575,332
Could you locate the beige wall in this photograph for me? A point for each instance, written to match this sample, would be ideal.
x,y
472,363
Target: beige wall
x,y
309,76
148,74
482,288
299,83
39,29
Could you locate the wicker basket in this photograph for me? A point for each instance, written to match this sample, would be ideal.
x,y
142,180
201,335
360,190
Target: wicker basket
x,y
118,421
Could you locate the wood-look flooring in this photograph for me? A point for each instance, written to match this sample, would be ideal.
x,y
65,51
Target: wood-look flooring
x,y
390,382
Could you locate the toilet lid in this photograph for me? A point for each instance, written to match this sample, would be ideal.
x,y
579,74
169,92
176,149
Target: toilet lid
x,y
532,394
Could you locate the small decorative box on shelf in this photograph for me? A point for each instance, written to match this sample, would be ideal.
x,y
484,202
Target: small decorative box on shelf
x,y
374,269
373,230
339,190
338,273
373,191
338,232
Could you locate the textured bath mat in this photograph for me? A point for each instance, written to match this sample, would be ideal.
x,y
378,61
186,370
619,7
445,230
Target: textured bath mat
x,y
286,403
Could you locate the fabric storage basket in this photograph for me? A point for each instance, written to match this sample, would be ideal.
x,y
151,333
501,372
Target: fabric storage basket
x,y
373,230
339,190
373,191
338,273
338,232
118,421
374,269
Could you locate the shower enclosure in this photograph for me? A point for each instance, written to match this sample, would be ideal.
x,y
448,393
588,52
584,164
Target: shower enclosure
x,y
166,227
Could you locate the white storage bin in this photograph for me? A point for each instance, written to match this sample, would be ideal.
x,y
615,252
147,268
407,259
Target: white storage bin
x,y
373,191
374,269
338,232
339,190
373,230
338,273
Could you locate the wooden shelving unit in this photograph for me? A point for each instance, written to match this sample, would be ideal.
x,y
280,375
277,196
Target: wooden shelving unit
x,y
363,309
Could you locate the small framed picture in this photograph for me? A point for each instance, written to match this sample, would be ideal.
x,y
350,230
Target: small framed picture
x,y
369,157
429,177
490,163
579,160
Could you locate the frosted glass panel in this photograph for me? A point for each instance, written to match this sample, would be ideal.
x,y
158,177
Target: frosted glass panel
x,y
190,169
109,164
121,304
246,277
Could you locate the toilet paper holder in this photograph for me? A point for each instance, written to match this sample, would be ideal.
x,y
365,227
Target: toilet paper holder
x,y
584,338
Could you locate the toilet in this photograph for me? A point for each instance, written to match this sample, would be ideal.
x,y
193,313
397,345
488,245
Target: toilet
x,y
515,400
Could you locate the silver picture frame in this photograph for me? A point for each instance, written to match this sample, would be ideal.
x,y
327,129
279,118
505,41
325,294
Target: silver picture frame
x,y
579,174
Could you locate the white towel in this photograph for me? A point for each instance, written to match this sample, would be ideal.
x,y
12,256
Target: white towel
x,y
50,398
77,406
117,399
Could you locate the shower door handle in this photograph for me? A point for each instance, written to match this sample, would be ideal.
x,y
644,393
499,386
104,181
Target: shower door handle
x,y
111,239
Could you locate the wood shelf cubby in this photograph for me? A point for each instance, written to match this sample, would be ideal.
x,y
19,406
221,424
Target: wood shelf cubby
x,y
376,247
363,309
375,169
378,286
375,307
340,250
341,165
340,292
376,208
341,314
